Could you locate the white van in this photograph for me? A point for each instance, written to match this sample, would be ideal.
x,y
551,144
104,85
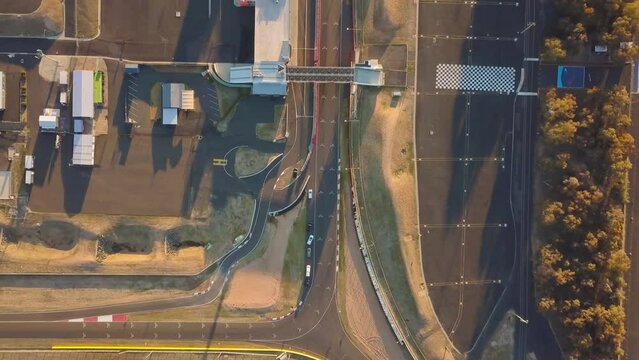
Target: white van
x,y
310,194
307,278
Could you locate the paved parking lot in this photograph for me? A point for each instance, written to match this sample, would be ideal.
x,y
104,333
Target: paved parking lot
x,y
463,161
19,7
182,30
150,170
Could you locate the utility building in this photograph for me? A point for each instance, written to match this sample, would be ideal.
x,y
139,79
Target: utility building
x,y
83,94
3,86
83,149
172,95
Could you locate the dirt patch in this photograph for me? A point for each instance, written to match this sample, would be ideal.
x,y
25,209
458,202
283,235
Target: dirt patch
x,y
387,194
46,21
258,284
87,19
249,162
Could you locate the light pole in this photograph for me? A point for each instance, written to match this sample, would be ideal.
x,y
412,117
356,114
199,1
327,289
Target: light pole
x,y
520,318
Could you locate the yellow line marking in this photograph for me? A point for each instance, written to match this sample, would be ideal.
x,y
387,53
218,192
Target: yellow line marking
x,y
183,348
219,162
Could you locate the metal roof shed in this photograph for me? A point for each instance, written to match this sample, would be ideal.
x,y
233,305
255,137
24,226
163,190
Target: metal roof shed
x,y
83,149
169,116
3,93
83,94
188,100
172,95
48,123
64,77
28,161
5,185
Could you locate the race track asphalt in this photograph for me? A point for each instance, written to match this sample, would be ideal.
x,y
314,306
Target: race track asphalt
x,y
317,326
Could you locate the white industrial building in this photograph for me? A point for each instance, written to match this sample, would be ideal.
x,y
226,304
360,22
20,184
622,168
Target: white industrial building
x,y
83,94
83,149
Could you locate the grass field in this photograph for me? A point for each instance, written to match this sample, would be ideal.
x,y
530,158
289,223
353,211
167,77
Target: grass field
x,y
274,130
223,226
293,271
97,87
249,161
228,98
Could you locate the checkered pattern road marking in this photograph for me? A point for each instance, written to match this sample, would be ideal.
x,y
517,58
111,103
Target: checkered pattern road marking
x,y
475,78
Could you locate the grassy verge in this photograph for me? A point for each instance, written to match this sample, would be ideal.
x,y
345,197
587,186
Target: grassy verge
x,y
293,271
224,225
228,98
87,18
249,161
155,101
382,143
271,131
290,286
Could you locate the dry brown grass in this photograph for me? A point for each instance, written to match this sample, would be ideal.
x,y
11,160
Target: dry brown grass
x,y
387,193
39,299
46,21
386,21
87,18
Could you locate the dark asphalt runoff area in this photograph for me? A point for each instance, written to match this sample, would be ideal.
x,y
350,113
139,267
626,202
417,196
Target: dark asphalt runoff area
x,y
316,326
159,35
474,162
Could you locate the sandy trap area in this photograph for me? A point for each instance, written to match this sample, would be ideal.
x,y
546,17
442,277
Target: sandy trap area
x,y
257,285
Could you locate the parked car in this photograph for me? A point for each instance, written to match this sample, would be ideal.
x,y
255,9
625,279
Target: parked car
x,y
309,227
307,278
308,252
310,240
310,193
